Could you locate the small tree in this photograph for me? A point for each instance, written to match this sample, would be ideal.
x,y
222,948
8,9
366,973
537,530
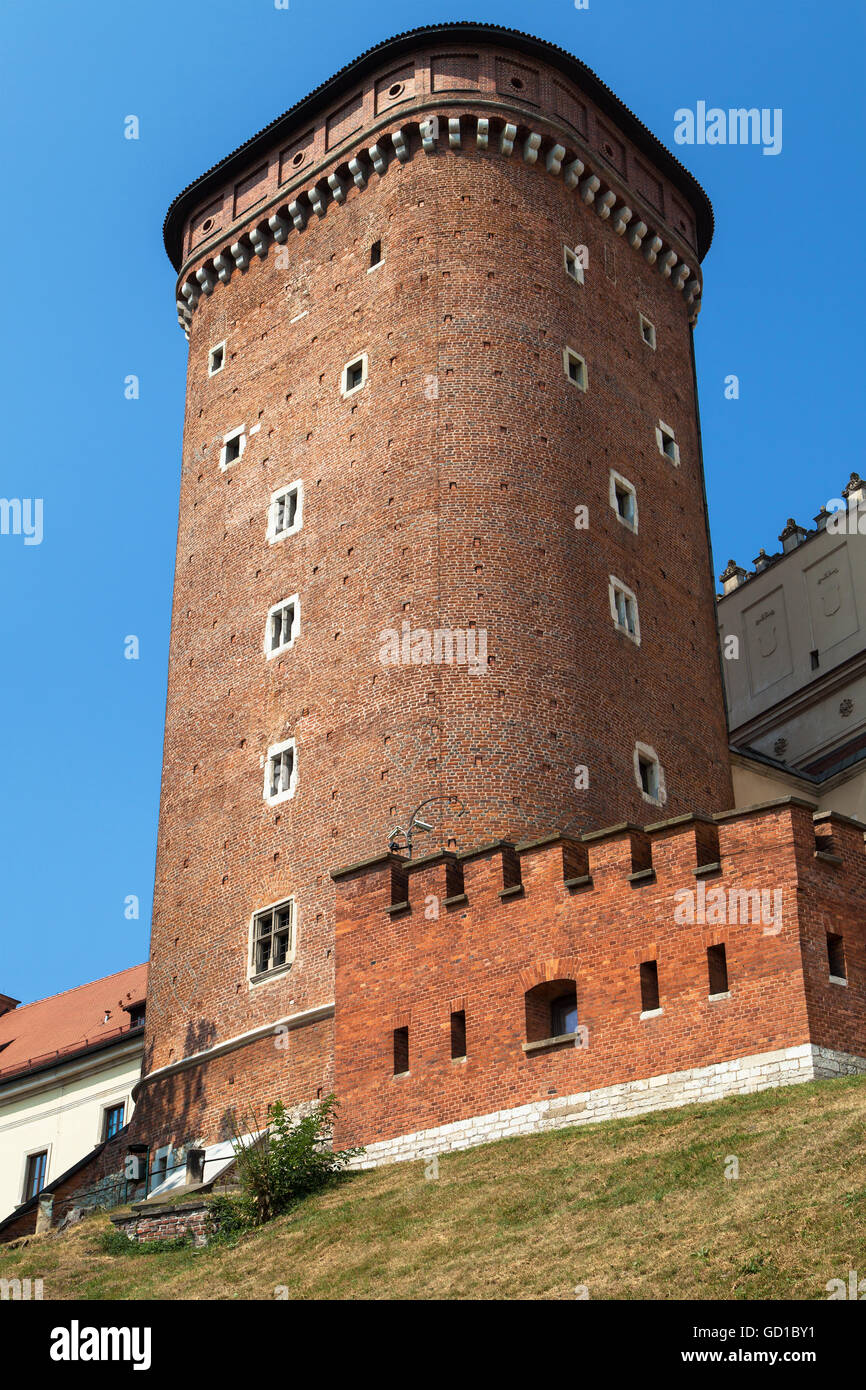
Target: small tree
x,y
293,1159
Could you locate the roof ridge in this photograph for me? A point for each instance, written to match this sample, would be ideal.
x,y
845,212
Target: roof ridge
x,y
73,989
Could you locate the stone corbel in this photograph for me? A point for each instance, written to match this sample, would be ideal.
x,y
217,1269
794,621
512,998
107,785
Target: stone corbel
x,y
573,172
358,172
298,214
279,227
401,148
483,135
589,188
224,265
682,275
531,146
377,155
667,263
652,248
506,141
454,132
317,200
621,218
259,241
207,281
637,234
691,291
604,204
241,254
429,129
553,163
338,188
190,292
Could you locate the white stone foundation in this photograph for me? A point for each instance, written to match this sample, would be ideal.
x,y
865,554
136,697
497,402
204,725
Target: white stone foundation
x,y
737,1077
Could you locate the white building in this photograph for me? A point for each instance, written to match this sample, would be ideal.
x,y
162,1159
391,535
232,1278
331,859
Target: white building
x,y
793,635
67,1068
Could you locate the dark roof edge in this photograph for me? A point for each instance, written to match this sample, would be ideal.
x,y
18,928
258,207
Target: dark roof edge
x,y
590,82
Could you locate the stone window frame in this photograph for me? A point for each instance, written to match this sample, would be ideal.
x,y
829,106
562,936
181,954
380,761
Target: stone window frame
x,y
292,601
570,355
274,536
630,524
211,369
43,1148
571,259
615,585
645,323
260,977
664,432
105,1110
273,752
240,433
643,752
345,389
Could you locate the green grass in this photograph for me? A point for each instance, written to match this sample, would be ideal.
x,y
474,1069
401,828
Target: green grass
x,y
635,1209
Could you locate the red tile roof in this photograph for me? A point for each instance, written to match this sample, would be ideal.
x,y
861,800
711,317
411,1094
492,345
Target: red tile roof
x,y
37,1034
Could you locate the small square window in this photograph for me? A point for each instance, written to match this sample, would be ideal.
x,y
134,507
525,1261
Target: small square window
x,y
273,938
234,444
281,773
375,254
216,359
649,775
573,264
285,513
354,375
666,442
623,499
282,626
623,609
575,368
648,332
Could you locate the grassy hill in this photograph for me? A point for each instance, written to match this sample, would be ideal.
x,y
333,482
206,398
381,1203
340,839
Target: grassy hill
x,y
636,1209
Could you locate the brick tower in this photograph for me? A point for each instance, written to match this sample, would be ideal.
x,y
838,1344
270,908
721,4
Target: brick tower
x,y
442,523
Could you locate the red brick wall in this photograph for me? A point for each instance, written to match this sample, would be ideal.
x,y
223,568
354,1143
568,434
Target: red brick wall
x,y
446,510
483,955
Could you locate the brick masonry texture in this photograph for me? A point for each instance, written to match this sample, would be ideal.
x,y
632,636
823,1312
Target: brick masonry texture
x,y
413,967
442,493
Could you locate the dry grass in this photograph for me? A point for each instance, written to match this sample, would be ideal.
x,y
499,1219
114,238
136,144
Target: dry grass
x,y
635,1209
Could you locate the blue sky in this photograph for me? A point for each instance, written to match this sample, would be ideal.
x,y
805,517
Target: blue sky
x,y
88,299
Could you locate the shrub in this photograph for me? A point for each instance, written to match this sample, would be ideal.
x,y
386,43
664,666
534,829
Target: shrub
x,y
292,1161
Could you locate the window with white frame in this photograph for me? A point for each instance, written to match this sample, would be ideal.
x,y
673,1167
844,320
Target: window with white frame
x,y
623,609
35,1174
286,511
234,444
647,331
272,942
649,775
216,359
573,264
623,499
575,368
281,772
667,442
354,375
282,626
113,1120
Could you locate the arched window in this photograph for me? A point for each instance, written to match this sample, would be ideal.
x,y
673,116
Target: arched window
x,y
551,1011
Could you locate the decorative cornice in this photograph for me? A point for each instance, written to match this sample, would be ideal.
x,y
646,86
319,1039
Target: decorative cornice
x,y
399,46
437,129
